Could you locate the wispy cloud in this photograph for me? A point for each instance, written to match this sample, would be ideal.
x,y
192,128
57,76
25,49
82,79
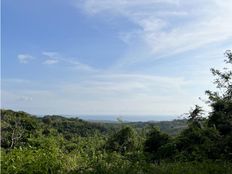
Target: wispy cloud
x,y
51,58
55,57
105,93
50,54
174,25
123,6
79,66
50,61
24,58
126,90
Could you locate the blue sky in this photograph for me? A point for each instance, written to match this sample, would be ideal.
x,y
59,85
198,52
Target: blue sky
x,y
140,57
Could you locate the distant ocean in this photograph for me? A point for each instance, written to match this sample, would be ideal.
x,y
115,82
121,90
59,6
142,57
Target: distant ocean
x,y
127,118
124,118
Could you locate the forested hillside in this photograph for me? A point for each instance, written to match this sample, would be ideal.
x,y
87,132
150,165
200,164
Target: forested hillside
x,y
16,126
202,143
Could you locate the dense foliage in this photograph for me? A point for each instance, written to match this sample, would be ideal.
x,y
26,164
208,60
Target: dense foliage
x,y
53,144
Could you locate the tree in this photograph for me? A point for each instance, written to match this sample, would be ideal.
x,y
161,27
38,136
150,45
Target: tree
x,y
221,100
123,141
195,116
155,142
221,104
213,140
16,127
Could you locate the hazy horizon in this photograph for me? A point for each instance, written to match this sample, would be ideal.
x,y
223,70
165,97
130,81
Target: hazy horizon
x,y
124,118
111,117
128,118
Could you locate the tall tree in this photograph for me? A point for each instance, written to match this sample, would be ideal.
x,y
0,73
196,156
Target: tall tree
x,y
221,100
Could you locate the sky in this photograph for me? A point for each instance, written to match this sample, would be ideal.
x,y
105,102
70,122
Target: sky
x,y
99,57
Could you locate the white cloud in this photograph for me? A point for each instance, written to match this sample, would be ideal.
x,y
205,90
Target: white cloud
x,y
55,57
50,61
168,27
121,6
51,57
24,58
50,54
77,65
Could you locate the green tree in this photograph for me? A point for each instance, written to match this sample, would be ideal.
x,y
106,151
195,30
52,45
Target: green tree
x,y
16,127
221,100
125,140
221,104
155,143
211,138
195,117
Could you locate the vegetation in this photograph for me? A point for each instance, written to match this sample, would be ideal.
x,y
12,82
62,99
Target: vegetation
x,y
201,143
